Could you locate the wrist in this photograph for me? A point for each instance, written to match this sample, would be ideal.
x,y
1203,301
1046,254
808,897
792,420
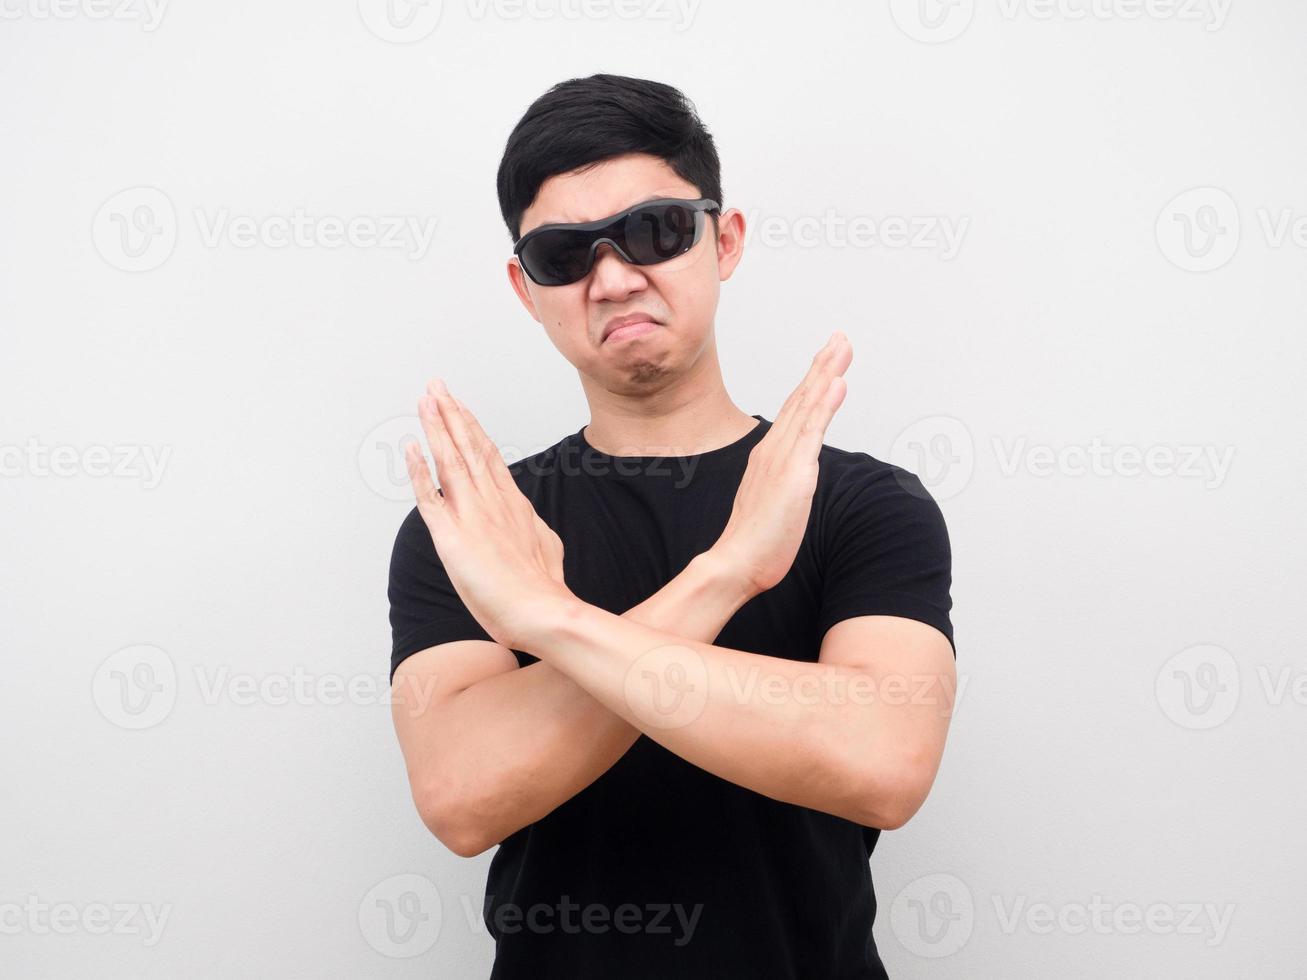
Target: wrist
x,y
723,574
546,614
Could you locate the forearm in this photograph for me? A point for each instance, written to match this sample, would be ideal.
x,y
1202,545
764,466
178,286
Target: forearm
x,y
525,741
813,734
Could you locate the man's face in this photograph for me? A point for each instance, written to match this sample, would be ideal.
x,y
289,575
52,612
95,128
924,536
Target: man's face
x,y
679,295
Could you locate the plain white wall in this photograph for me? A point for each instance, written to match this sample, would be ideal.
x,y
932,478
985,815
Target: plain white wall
x,y
1090,345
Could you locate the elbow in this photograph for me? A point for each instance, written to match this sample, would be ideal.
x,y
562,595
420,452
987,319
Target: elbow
x,y
464,844
884,813
889,815
445,819
891,799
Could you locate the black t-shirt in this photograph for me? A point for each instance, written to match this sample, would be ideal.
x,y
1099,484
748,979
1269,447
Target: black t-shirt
x,y
659,869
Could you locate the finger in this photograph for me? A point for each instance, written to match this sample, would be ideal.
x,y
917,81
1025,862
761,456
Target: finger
x,y
786,414
800,398
811,418
811,431
430,502
499,471
461,439
450,469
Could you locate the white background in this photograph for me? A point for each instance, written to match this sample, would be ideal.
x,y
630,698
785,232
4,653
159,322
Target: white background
x,y
1122,790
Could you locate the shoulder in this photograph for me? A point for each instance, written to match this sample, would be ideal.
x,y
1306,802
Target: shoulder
x,y
882,547
877,503
851,479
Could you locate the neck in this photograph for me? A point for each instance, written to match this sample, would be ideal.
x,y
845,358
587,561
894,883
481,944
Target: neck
x,y
693,414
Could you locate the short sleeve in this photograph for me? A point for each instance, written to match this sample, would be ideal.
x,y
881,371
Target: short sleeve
x,y
885,550
425,609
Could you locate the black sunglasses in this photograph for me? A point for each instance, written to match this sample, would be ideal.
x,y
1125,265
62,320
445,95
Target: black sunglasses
x,y
649,233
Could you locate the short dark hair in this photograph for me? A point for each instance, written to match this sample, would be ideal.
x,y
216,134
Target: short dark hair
x,y
584,121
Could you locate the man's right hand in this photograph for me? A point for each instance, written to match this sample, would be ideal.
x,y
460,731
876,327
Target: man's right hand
x,y
774,500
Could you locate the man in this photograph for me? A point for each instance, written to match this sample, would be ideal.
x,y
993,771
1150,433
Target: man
x,y
683,666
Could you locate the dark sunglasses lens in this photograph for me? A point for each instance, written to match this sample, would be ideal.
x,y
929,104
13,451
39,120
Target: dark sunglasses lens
x,y
556,258
649,235
662,231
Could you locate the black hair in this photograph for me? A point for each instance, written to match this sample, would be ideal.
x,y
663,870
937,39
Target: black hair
x,y
583,121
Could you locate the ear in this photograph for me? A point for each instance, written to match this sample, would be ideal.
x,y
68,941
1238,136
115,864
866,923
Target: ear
x,y
730,242
521,286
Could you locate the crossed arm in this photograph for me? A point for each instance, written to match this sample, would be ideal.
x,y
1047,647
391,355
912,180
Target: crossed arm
x,y
858,734
858,737
490,748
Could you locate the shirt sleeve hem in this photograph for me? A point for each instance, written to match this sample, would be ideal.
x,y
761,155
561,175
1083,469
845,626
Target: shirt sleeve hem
x,y
430,635
890,604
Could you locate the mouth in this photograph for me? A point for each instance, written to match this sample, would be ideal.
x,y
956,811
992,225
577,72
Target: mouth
x,y
627,331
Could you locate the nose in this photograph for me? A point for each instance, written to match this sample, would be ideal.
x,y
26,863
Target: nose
x,y
612,276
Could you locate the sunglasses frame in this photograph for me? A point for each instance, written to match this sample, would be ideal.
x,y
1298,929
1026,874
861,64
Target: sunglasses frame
x,y
612,224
